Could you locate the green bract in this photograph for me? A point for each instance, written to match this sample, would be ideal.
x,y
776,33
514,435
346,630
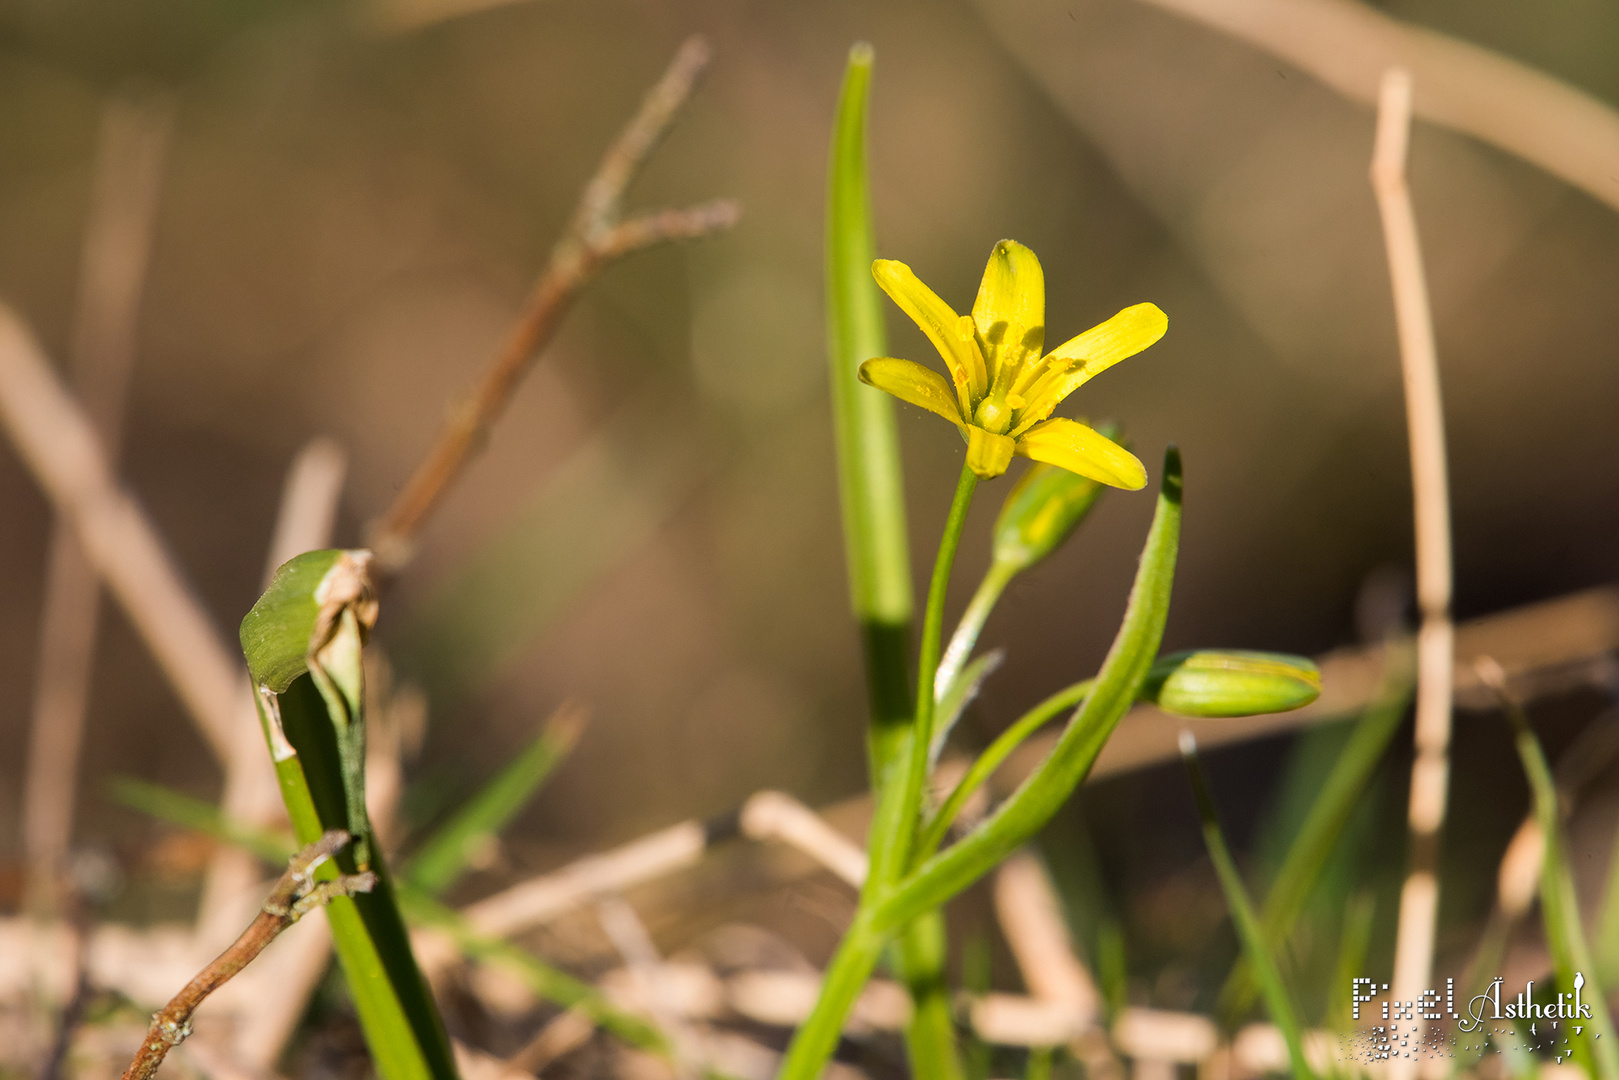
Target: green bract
x,y
1213,683
1045,507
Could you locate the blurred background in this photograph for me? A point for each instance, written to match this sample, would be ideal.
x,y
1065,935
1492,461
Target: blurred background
x,y
358,197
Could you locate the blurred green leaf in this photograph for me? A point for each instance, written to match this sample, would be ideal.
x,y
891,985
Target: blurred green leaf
x,y
1324,826
597,507
441,861
1249,932
180,809
1559,906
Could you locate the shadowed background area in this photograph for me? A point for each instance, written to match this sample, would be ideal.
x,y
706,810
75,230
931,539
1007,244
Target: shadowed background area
x,y
357,199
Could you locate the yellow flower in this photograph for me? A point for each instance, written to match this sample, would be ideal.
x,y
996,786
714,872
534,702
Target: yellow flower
x,y
1006,386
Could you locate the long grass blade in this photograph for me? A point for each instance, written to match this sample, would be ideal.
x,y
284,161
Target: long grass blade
x,y
1242,914
870,483
177,808
1325,823
1559,908
441,861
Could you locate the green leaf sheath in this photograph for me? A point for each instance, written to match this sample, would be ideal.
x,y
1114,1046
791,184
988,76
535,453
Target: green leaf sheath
x,y
1242,914
930,1034
302,642
870,483
441,861
1034,802
397,1014
1324,825
1559,906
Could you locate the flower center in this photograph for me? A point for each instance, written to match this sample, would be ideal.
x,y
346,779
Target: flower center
x,y
993,414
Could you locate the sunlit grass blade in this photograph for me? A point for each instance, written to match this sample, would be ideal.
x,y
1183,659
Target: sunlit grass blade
x,y
1242,914
872,495
1559,907
177,808
1016,821
441,861
1324,825
870,483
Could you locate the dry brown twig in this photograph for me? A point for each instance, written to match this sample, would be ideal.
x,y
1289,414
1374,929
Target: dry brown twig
x,y
133,142
1430,771
294,895
595,237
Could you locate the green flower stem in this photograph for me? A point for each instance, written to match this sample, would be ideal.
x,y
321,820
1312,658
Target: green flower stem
x,y
817,1038
1242,913
972,622
984,767
1040,796
891,850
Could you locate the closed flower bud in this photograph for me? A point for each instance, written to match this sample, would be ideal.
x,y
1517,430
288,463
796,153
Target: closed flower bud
x,y
1042,511
1210,683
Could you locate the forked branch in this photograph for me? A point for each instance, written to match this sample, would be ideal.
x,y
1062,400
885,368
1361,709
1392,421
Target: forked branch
x,y
294,895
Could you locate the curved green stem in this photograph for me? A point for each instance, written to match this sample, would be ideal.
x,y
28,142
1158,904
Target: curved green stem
x,y
817,1038
891,849
972,622
990,760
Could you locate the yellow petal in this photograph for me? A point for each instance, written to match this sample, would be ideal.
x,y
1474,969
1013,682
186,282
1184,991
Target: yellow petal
x,y
1080,359
910,381
988,454
938,321
1010,311
1075,447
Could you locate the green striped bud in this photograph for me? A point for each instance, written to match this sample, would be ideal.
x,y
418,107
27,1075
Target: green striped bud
x,y
1043,509
1231,682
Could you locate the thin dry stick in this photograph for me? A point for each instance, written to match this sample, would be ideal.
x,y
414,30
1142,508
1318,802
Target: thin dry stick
x,y
133,142
562,1035
1030,915
294,895
593,238
1349,46
1430,771
771,815
767,815
635,946
60,448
